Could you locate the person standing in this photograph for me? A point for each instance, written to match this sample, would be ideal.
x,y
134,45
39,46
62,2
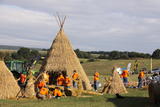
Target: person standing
x,y
125,77
96,81
75,77
140,79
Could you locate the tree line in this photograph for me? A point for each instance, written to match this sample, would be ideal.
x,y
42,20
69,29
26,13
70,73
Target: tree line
x,y
117,54
29,54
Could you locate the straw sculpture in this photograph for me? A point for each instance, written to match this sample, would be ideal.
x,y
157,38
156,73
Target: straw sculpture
x,y
30,87
61,57
8,85
115,84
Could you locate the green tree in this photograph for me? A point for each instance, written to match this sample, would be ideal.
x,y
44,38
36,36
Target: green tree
x,y
156,54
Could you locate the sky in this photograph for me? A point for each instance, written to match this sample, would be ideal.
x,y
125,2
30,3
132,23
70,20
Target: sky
x,y
91,25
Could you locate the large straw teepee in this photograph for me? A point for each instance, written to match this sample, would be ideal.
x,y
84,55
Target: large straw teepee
x,y
61,57
8,85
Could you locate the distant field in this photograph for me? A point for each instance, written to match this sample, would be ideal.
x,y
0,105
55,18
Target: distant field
x,y
104,67
7,51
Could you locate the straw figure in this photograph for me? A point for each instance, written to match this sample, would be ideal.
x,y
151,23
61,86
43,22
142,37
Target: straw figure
x,y
114,85
61,57
8,85
29,91
154,93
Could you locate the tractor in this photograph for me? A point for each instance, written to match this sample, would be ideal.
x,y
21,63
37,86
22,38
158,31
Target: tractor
x,y
17,67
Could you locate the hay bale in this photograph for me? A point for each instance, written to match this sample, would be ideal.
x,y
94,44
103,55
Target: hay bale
x,y
154,93
61,57
8,85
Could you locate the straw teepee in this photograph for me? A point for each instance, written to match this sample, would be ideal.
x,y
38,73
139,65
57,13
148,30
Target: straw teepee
x,y
8,85
61,57
29,91
115,84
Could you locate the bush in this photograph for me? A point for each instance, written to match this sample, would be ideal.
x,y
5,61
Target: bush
x,y
91,60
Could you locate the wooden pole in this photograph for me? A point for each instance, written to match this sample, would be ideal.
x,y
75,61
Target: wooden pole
x,y
151,65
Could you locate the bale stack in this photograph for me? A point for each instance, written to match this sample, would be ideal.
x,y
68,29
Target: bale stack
x,y
8,85
61,57
154,93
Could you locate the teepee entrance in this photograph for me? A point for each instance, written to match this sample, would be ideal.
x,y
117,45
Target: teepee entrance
x,y
61,57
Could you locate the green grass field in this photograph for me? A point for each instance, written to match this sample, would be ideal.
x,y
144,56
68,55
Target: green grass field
x,y
135,97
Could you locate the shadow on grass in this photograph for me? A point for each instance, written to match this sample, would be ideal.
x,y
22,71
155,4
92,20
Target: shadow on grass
x,y
132,102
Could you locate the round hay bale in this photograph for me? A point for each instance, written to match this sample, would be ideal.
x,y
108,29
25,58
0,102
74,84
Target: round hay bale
x,y
153,91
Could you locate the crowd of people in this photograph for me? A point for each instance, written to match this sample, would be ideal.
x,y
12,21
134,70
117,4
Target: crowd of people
x,y
42,89
124,77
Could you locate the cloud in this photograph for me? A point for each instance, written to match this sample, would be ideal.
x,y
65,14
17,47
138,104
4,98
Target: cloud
x,y
91,24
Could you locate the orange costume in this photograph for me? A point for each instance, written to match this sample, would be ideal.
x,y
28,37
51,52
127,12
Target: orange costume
x,y
57,92
60,80
96,76
125,74
67,82
141,75
43,91
75,76
41,84
22,78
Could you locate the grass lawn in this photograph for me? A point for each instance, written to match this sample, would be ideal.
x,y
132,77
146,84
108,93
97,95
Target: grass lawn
x,y
135,98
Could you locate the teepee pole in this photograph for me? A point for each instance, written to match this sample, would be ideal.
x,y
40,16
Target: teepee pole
x,y
63,21
57,21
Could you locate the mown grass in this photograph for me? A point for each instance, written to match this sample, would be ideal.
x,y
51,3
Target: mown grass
x,y
135,98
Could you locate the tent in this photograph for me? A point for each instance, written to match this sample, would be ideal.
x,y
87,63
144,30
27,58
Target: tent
x,y
8,85
61,57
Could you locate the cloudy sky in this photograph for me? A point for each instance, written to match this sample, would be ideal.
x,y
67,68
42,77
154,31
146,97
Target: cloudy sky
x,y
125,25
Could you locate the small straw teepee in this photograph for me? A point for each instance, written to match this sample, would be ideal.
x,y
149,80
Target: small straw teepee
x,y
29,91
61,57
8,85
115,84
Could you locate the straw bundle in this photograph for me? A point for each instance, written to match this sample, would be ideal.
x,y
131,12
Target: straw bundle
x,y
61,57
30,88
116,85
154,93
8,85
